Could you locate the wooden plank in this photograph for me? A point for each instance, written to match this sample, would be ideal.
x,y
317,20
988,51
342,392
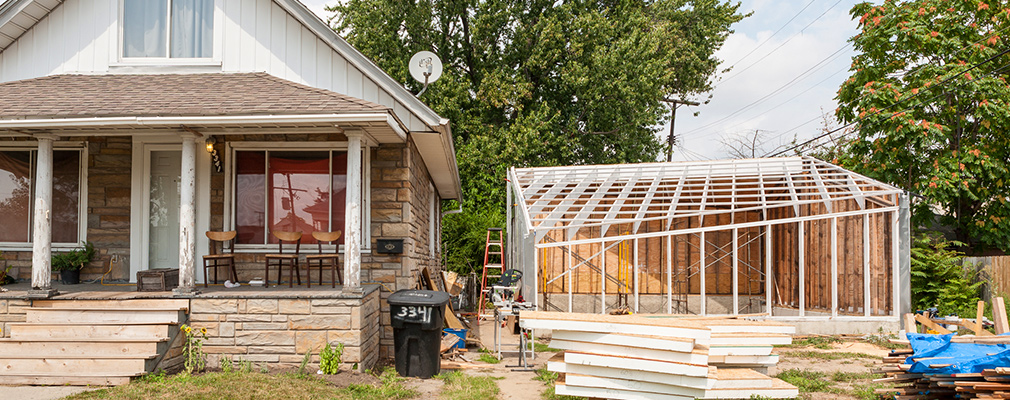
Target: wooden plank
x,y
634,386
629,340
909,322
698,358
999,316
930,324
629,374
450,318
600,393
665,367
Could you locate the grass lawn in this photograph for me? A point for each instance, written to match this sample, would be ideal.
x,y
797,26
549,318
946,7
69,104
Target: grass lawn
x,y
247,385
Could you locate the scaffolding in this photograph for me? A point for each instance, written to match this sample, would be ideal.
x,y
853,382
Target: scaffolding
x,y
791,237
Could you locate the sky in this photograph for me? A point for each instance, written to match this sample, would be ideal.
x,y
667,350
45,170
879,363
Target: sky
x,y
787,61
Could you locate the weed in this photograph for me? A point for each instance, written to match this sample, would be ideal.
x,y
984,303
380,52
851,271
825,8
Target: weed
x,y
545,376
465,387
550,395
543,348
840,376
154,377
194,359
245,366
867,392
806,381
487,357
818,342
305,363
884,340
264,369
330,359
226,364
390,388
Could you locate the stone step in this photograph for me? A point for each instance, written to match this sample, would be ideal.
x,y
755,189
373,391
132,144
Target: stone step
x,y
167,304
63,379
105,315
29,331
75,366
97,348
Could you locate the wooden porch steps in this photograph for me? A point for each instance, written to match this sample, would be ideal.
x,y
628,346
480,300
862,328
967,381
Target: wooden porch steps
x,y
92,342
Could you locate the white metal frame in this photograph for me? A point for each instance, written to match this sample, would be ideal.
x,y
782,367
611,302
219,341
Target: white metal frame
x,y
570,198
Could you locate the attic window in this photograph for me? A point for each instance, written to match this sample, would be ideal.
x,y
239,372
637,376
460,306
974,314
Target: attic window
x,y
168,28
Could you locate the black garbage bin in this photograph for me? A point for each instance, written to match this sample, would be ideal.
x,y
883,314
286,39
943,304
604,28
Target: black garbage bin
x,y
417,321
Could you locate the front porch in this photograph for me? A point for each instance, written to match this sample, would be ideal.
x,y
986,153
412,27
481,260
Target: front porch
x,y
274,327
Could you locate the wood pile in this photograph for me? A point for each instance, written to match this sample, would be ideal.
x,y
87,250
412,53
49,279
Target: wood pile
x,y
662,357
991,383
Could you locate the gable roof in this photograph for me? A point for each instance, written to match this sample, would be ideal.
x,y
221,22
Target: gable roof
x,y
80,96
434,138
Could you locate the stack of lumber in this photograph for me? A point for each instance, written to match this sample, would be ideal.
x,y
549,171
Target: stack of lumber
x,y
651,357
938,380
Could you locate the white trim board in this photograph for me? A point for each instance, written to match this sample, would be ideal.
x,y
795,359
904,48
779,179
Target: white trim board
x,y
696,358
741,361
648,376
646,388
739,351
648,342
599,393
700,336
664,367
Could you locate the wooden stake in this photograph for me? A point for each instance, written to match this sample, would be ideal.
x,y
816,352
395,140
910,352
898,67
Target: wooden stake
x,y
999,316
910,326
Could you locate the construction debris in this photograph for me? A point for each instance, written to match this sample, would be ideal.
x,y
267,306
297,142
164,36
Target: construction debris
x,y
662,357
942,365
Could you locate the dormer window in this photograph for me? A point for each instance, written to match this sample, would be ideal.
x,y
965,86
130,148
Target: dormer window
x,y
168,28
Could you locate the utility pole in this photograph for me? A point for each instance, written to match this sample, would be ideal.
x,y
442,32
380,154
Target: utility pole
x,y
671,140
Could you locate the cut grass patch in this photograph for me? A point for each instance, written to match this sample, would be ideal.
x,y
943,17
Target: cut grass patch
x,y
840,376
806,381
543,348
487,357
818,342
459,386
242,385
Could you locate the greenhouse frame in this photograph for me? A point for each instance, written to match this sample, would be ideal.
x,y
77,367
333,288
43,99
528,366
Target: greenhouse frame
x,y
791,238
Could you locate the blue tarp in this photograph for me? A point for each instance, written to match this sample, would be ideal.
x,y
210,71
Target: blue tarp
x,y
963,357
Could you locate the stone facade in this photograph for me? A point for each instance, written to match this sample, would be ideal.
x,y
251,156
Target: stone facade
x,y
401,199
108,213
279,331
12,311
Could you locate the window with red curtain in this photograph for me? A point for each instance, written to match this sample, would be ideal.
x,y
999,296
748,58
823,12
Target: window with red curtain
x,y
290,190
17,190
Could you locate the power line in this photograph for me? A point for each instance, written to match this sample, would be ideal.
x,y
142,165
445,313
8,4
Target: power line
x,y
773,34
914,95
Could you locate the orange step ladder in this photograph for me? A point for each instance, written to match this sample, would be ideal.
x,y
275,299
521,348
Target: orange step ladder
x,y
494,247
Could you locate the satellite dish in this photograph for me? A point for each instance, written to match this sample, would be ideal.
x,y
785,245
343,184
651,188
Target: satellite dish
x,y
426,68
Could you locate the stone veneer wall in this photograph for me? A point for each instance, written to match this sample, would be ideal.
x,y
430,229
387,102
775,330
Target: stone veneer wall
x,y
279,331
108,212
11,311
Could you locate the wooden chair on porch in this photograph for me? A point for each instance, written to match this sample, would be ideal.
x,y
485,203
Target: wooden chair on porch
x,y
218,258
282,258
323,260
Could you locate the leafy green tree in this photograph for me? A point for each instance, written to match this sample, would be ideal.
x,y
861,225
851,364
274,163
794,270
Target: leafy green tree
x,y
929,92
542,82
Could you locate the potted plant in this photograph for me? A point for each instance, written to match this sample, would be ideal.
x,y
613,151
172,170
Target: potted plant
x,y
70,263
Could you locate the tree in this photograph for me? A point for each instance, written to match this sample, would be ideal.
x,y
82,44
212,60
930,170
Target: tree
x,y
543,82
928,92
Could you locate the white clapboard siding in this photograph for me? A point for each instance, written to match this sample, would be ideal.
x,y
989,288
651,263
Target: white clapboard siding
x,y
664,367
82,36
648,376
643,387
699,358
630,340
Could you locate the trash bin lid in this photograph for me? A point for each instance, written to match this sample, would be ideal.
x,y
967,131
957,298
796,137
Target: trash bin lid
x,y
418,298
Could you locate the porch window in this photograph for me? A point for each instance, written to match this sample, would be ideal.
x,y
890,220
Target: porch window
x,y
289,190
168,28
17,190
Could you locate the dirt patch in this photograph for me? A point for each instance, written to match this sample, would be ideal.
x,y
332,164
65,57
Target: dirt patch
x,y
340,380
845,364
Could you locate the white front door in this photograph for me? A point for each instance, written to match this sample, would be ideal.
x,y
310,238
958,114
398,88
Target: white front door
x,y
163,214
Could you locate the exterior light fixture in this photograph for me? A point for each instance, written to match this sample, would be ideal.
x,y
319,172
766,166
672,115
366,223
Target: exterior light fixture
x,y
210,141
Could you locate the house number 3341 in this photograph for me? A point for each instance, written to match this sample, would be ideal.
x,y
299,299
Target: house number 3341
x,y
415,313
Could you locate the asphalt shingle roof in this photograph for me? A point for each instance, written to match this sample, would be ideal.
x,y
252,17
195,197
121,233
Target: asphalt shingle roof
x,y
217,94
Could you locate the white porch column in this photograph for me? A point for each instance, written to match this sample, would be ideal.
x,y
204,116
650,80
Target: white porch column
x,y
352,212
187,216
43,225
